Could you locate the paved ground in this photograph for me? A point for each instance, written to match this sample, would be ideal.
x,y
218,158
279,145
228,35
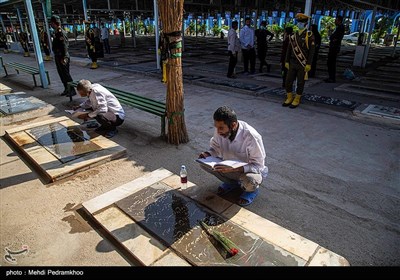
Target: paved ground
x,y
334,175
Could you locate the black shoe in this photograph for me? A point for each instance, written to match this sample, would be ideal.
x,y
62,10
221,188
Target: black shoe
x,y
329,81
232,77
64,93
100,129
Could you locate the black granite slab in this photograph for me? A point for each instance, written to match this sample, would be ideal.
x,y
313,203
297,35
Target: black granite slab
x,y
18,103
65,143
173,219
233,83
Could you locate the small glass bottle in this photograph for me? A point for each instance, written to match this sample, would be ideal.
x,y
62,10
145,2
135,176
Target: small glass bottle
x,y
183,175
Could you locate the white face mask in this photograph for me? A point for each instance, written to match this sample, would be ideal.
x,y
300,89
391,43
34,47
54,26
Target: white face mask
x,y
301,25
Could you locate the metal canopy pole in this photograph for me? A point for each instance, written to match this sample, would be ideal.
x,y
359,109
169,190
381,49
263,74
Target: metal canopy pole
x,y
46,24
397,38
371,28
307,9
157,32
84,5
36,44
21,25
13,30
2,24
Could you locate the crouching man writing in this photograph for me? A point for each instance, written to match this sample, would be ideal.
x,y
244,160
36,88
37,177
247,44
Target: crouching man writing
x,y
236,140
105,107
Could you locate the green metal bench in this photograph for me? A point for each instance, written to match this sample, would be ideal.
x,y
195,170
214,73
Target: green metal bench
x,y
136,101
19,67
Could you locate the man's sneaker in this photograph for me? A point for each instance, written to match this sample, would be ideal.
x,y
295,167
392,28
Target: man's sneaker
x,y
111,133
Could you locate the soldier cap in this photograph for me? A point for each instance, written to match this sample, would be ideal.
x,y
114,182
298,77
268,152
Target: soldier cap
x,y
55,19
302,17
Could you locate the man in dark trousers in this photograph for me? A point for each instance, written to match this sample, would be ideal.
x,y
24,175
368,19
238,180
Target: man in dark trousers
x,y
90,38
233,49
335,40
247,43
61,55
298,60
263,37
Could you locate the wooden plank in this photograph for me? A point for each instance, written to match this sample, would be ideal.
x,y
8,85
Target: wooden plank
x,y
54,167
31,125
140,244
274,233
123,191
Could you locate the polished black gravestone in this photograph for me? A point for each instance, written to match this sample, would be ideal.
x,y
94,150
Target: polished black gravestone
x,y
65,143
18,103
173,219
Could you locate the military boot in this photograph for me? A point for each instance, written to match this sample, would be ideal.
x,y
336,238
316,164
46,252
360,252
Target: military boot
x,y
289,99
296,101
94,65
47,58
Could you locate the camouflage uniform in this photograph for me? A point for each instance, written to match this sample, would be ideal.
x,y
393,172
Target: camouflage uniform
x,y
45,44
3,41
23,39
61,57
90,38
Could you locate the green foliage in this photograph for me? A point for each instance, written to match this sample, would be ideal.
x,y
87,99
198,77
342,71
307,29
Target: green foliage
x,y
201,29
381,26
216,30
327,27
127,27
277,30
192,28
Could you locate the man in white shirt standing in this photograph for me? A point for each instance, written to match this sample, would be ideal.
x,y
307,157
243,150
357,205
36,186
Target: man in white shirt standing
x,y
105,107
247,43
233,49
105,33
236,140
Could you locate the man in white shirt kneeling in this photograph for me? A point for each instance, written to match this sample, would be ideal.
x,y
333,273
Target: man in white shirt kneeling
x,y
105,107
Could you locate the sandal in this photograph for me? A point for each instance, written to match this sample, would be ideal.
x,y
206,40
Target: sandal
x,y
248,196
226,188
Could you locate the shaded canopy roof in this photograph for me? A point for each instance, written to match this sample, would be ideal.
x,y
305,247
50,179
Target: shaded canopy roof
x,y
145,7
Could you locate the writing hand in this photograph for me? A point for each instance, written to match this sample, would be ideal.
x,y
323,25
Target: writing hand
x,y
204,155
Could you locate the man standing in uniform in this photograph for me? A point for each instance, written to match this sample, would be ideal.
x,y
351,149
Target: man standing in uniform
x,y
298,60
233,49
262,44
61,55
335,40
45,43
90,45
23,39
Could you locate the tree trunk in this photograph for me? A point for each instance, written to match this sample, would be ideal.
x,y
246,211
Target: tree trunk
x,y
171,15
